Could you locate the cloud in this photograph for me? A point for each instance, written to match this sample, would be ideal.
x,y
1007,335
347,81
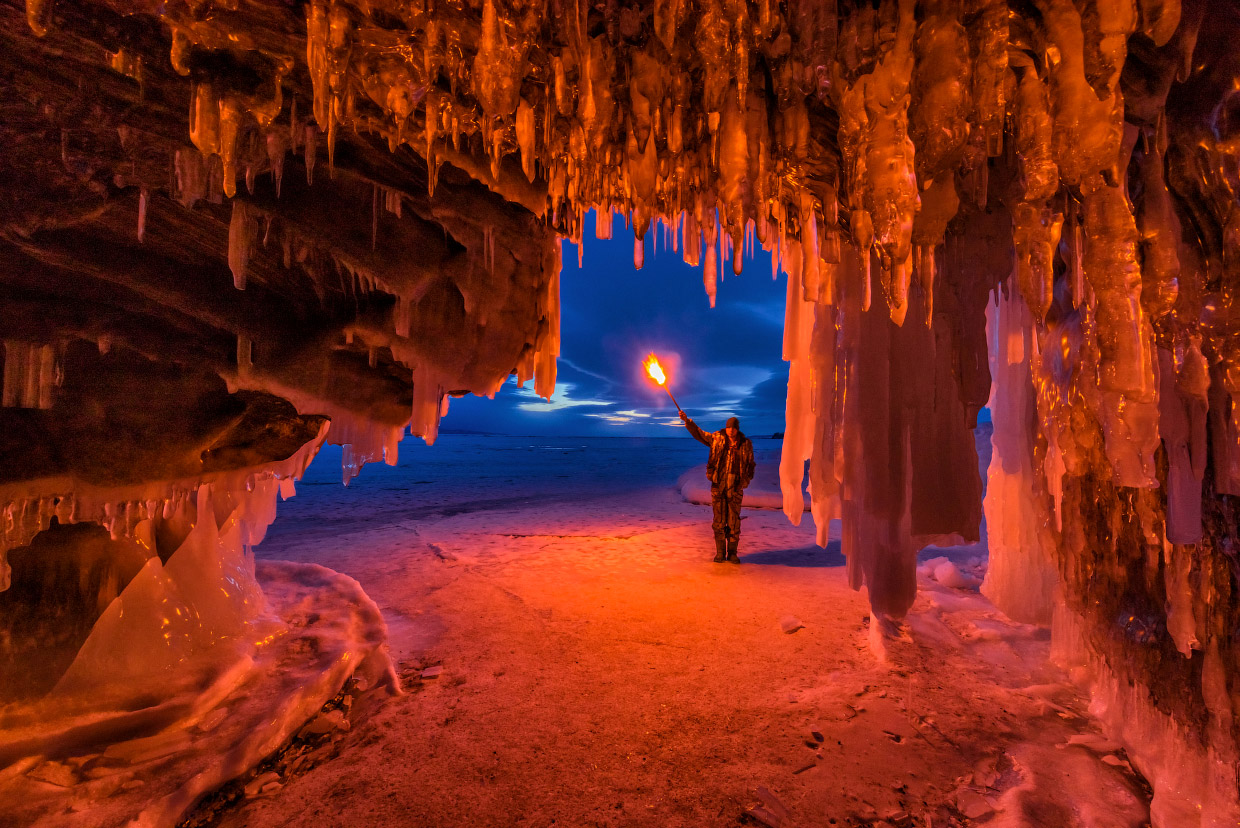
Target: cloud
x,y
612,316
561,399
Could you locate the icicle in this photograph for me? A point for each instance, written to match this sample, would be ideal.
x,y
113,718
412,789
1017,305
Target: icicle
x,y
239,244
142,198
204,119
38,15
311,151
811,273
525,138
799,420
403,316
1182,410
275,156
427,404
708,272
639,253
548,344
245,350
602,223
392,201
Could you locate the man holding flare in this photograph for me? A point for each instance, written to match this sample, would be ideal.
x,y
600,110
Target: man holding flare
x,y
730,469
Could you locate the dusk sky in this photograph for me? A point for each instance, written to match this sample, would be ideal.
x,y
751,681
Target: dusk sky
x,y
613,315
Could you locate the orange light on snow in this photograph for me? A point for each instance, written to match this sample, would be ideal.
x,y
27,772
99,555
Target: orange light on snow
x,y
655,370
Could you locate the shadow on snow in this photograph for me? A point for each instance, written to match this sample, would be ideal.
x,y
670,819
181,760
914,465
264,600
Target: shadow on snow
x,y
803,556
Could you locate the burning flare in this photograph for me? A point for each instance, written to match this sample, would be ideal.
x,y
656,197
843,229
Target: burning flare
x,y
655,370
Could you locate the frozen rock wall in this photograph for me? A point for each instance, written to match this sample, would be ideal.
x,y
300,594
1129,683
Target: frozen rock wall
x,y
224,220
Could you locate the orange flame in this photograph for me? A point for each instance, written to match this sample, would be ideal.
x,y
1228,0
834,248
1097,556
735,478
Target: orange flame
x,y
655,370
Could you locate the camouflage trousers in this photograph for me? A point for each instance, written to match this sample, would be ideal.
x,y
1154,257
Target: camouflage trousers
x,y
726,503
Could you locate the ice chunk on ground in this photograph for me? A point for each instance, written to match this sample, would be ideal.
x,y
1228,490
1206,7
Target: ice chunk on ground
x,y
328,630
790,623
948,575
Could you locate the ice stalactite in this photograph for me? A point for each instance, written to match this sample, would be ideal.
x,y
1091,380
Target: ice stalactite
x,y
876,485
945,504
427,404
799,420
824,484
988,31
1161,231
1126,361
1036,225
362,440
878,154
938,122
1022,578
1087,126
143,197
29,509
547,345
1182,407
240,239
190,174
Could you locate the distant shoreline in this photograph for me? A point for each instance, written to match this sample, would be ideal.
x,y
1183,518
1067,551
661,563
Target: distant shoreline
x,y
446,433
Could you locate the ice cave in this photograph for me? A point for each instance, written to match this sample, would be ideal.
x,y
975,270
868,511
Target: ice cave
x,y
238,233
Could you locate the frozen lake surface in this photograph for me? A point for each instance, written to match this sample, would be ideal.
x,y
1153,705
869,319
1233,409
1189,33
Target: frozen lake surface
x,y
593,667
464,473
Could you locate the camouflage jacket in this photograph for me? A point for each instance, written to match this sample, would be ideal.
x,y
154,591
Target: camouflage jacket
x,y
718,442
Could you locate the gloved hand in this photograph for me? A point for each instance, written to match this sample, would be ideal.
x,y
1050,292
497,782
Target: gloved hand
x,y
684,418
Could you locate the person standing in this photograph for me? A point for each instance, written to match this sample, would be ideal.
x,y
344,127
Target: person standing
x,y
730,469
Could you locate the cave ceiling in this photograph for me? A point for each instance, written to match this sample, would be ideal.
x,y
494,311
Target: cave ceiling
x,y
225,221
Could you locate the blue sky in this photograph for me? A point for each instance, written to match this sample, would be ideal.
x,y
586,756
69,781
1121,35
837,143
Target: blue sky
x,y
613,315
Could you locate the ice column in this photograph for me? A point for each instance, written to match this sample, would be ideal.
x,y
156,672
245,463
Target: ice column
x,y
1022,579
799,416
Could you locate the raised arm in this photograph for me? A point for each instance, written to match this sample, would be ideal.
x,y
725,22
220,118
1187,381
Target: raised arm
x,y
697,433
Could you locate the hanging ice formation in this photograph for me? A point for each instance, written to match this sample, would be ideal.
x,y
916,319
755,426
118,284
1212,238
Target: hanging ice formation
x,y
1059,175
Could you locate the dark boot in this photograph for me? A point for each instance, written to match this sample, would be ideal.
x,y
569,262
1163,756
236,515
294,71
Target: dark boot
x,y
733,543
720,549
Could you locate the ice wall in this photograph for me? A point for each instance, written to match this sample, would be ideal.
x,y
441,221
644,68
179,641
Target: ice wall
x,y
191,607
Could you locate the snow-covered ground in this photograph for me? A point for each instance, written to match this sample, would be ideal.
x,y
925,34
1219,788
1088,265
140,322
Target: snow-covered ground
x,y
573,657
